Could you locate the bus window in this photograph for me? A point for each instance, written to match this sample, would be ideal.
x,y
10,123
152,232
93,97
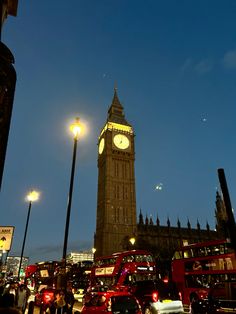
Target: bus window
x,y
150,259
211,262
216,250
178,255
139,258
202,251
121,264
222,249
187,253
128,259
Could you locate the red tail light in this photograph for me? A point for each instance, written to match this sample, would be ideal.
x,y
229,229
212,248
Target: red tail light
x,y
155,296
48,297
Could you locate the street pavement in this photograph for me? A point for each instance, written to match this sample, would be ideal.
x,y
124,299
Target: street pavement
x,y
77,307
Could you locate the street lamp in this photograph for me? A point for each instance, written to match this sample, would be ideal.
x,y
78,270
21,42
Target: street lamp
x,y
132,240
76,129
94,251
33,196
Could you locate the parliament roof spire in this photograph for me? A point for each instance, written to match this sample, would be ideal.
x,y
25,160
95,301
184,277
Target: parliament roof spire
x,y
116,111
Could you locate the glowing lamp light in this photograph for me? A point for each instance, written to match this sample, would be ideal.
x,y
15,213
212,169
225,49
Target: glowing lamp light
x,y
76,128
132,240
33,196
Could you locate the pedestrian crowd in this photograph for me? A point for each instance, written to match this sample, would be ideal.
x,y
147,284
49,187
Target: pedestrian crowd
x,y
63,302
14,300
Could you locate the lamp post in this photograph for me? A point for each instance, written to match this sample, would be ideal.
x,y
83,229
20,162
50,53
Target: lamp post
x,y
31,197
76,129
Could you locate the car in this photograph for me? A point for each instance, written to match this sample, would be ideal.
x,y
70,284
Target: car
x,y
221,299
44,298
116,302
157,297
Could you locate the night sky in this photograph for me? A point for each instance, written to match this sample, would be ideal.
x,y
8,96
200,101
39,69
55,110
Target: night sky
x,y
174,65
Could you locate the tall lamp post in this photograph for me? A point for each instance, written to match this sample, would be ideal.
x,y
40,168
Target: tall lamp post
x,y
76,129
33,196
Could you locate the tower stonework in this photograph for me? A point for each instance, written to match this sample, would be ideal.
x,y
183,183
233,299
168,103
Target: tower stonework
x,y
116,221
116,197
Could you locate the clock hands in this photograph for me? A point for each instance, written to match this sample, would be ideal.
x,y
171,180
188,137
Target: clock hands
x,y
121,141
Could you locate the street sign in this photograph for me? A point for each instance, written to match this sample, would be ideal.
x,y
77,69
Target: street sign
x,y
6,234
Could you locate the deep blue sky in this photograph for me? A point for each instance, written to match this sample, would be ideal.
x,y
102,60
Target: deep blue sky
x,y
174,63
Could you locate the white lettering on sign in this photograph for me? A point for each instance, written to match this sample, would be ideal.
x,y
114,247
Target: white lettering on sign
x,y
142,268
104,271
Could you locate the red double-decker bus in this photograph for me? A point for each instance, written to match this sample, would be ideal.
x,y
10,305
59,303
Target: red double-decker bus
x,y
195,267
123,268
41,274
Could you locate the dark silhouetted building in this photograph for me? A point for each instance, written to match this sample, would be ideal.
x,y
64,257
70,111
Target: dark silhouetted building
x,y
7,83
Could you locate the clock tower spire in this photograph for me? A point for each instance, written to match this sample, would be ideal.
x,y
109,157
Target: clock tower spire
x,y
116,198
116,111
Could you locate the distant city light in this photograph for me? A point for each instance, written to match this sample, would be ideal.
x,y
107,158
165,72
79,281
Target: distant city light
x,y
159,186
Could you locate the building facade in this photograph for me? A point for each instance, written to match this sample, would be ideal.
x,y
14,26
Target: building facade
x,y
76,257
117,222
13,264
116,199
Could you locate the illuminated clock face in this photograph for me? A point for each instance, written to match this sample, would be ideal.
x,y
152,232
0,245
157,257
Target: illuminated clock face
x,y
121,141
101,146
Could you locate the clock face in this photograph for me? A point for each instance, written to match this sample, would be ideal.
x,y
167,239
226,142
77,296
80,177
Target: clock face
x,y
101,146
121,141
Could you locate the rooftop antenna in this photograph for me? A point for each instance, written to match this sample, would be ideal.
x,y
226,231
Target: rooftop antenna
x,y
115,86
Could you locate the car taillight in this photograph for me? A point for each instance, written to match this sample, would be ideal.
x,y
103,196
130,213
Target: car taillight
x,y
47,297
155,296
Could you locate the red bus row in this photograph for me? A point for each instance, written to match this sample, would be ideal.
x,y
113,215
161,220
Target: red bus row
x,y
195,268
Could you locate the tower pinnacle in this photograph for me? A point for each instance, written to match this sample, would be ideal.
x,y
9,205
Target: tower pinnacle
x,y
116,111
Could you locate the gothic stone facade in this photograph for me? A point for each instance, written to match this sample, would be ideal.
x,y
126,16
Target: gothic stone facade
x,y
162,241
116,221
116,200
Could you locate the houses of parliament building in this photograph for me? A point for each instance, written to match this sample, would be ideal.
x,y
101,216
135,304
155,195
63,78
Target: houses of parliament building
x,y
117,221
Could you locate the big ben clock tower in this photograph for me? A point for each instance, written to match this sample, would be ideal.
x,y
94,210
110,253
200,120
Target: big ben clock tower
x,y
116,200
